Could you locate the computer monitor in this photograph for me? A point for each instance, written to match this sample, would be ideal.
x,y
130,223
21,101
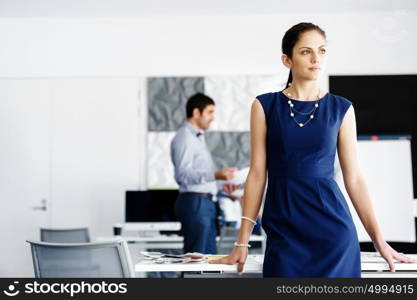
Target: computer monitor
x,y
150,206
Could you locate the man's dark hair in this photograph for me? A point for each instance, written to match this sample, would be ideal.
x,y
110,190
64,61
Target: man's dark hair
x,y
199,101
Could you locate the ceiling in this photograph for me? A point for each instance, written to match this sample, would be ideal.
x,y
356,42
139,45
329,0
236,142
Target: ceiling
x,y
114,8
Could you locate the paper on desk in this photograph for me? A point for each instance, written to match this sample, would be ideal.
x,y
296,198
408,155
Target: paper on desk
x,y
166,258
211,257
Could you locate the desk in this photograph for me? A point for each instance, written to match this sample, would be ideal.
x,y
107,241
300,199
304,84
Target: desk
x,y
371,265
167,241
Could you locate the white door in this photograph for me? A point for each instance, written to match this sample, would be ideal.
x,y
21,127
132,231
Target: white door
x,y
95,142
24,171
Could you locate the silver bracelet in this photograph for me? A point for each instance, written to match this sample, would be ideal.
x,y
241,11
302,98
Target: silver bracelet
x,y
242,245
248,219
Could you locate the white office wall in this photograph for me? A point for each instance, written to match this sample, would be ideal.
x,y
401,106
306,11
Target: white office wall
x,y
72,49
360,43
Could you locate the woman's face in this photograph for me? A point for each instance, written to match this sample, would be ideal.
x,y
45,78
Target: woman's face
x,y
308,57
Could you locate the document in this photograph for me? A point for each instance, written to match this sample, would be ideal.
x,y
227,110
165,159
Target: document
x,y
240,177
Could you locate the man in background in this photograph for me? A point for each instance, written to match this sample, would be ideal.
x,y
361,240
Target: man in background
x,y
195,174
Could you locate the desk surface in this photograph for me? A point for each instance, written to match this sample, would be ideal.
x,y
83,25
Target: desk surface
x,y
370,262
165,238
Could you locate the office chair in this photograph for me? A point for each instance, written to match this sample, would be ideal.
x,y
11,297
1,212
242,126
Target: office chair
x,y
73,235
94,260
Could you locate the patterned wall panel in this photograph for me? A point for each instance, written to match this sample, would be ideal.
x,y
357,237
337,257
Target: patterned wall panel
x,y
166,100
229,149
160,168
234,95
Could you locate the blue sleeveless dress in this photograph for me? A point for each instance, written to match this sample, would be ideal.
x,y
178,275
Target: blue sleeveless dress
x,y
309,228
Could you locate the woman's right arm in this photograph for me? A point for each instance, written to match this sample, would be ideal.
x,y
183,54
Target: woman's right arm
x,y
255,182
254,186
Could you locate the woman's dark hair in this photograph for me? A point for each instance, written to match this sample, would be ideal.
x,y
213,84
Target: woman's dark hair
x,y
292,36
199,101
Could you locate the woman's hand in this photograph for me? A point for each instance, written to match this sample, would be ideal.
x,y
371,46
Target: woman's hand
x,y
237,256
390,254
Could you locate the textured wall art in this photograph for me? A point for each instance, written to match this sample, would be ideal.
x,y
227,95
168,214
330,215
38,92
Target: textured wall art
x,y
234,95
166,100
228,136
160,168
229,149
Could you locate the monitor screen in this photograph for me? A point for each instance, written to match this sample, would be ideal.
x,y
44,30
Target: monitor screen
x,y
150,206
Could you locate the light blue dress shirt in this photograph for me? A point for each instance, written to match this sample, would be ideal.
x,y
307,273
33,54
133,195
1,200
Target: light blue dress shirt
x,y
193,164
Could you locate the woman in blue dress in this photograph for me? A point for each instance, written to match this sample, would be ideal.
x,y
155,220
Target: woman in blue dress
x,y
294,137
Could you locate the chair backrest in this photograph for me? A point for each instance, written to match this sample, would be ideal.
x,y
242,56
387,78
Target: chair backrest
x,y
73,235
94,260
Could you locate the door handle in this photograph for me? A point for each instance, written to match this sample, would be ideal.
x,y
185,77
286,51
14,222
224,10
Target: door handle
x,y
43,206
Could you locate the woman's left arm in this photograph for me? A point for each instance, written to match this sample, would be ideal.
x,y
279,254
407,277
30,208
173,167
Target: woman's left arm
x,y
358,192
